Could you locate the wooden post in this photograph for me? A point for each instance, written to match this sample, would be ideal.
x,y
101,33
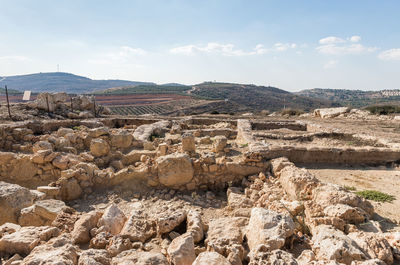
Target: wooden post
x,y
47,102
94,106
72,108
8,103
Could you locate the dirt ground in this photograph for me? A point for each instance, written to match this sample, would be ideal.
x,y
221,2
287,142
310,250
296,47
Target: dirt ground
x,y
382,179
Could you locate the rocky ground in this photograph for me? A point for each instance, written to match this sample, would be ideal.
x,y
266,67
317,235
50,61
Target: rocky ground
x,y
198,190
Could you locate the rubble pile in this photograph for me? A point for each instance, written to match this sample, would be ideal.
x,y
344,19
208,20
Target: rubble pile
x,y
173,192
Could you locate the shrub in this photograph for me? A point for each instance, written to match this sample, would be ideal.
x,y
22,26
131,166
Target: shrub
x,y
292,112
383,109
350,188
376,196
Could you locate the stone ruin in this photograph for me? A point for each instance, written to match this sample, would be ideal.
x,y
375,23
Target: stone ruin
x,y
184,191
78,107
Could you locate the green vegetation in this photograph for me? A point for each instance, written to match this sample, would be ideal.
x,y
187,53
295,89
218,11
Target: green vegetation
x,y
146,89
376,196
292,112
350,188
383,109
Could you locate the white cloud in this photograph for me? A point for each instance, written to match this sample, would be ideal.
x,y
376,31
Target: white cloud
x,y
339,46
331,40
390,55
123,54
212,47
355,38
16,58
229,49
345,49
331,64
284,46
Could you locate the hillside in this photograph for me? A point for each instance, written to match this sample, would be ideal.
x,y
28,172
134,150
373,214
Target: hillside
x,y
146,89
255,98
10,91
57,82
353,98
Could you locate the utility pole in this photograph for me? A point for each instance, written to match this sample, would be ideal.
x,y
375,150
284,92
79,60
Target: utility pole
x,y
8,103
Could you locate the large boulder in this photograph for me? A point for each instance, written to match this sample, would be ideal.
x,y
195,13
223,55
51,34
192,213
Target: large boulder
x,y
145,131
113,219
195,226
94,257
13,198
69,189
121,139
225,236
175,170
181,250
139,258
168,220
374,245
188,143
99,147
41,213
138,227
81,232
211,258
56,251
268,228
262,255
330,112
25,239
333,244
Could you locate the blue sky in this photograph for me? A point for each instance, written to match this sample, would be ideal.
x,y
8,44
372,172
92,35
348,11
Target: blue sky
x,y
290,44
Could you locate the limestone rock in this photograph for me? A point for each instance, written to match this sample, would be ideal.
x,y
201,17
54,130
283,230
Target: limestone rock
x,y
41,213
219,143
24,170
268,228
139,258
143,132
99,147
181,250
12,199
175,170
330,112
94,257
347,213
113,219
188,143
26,238
97,132
118,244
333,244
262,255
50,192
8,228
225,236
81,232
167,221
57,251
211,258
138,227
374,245
121,139
42,145
69,189
195,226
298,183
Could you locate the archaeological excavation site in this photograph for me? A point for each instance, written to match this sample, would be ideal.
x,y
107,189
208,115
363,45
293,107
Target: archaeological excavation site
x,y
78,187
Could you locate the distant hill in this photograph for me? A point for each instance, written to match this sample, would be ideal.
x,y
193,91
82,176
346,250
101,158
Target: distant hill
x,y
256,98
57,82
146,89
353,98
10,91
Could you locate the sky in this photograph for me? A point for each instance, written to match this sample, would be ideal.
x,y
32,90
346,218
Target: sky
x,y
290,44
